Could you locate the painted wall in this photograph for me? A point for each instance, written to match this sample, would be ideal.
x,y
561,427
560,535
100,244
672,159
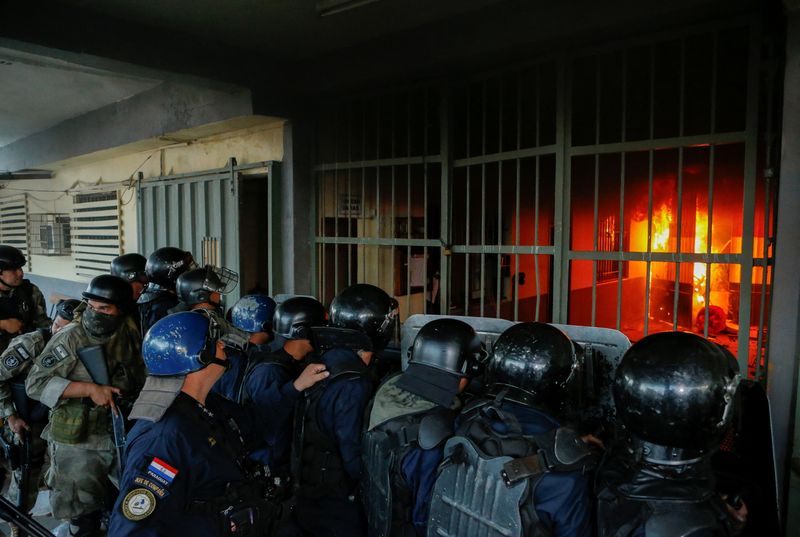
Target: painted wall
x,y
253,144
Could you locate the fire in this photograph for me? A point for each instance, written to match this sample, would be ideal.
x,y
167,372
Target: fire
x,y
661,221
700,246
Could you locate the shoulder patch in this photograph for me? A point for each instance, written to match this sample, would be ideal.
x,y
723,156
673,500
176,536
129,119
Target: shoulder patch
x,y
22,352
50,360
138,504
55,356
61,351
11,361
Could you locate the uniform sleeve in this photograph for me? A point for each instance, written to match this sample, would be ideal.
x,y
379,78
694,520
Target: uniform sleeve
x,y
47,378
155,486
13,361
41,320
273,398
348,415
419,472
562,504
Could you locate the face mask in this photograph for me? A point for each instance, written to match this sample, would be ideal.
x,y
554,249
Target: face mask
x,y
100,324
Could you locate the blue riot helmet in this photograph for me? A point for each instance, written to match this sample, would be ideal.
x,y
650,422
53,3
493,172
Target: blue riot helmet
x,y
181,343
253,313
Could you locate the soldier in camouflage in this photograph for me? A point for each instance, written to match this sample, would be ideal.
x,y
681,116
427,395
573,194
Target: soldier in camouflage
x,y
23,418
80,443
21,301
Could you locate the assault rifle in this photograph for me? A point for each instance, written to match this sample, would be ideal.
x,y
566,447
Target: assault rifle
x,y
94,360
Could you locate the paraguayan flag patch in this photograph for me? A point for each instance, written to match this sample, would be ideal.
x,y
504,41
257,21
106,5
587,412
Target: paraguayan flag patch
x,y
163,470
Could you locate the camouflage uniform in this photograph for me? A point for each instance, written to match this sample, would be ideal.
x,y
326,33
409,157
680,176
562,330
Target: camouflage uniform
x,y
14,363
29,302
80,442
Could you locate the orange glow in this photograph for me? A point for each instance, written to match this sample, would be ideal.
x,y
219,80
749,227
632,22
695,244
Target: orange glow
x,y
700,245
662,218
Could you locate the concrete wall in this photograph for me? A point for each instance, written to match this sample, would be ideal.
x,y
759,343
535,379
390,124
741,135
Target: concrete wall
x,y
258,143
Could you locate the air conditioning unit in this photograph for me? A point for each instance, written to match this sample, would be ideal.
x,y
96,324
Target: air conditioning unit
x,y
49,234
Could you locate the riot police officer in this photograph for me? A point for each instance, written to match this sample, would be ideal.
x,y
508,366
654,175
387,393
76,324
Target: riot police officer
x,y
674,395
80,444
23,299
543,489
411,417
270,383
162,270
24,418
131,268
202,288
326,450
185,472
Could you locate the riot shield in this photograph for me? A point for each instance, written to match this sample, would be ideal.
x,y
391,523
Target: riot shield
x,y
487,329
745,462
600,351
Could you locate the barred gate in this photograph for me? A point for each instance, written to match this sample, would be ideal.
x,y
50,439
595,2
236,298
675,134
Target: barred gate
x,y
620,186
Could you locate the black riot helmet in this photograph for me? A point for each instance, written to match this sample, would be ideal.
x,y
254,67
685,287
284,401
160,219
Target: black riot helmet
x,y
676,389
534,363
166,264
66,308
130,267
111,290
295,317
368,309
11,258
196,286
449,345
444,352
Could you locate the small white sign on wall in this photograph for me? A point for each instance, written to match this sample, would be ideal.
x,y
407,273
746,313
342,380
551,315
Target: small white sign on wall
x,y
350,205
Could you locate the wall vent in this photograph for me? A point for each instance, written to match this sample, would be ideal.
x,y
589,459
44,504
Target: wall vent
x,y
96,233
14,223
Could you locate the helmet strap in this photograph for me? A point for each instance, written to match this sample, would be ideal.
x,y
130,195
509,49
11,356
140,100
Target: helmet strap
x,y
5,283
226,364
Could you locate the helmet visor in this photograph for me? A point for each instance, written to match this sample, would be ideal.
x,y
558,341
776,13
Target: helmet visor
x,y
220,280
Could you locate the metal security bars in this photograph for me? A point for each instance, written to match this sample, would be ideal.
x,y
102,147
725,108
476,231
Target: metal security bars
x,y
617,187
379,198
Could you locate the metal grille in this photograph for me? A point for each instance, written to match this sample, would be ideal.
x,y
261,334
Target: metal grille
x,y
95,232
379,210
617,186
13,223
49,234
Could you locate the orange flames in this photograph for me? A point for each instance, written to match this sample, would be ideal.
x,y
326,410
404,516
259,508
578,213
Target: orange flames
x,y
662,218
660,242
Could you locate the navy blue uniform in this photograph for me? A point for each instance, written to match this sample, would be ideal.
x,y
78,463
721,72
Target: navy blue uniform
x,y
561,498
264,383
419,472
173,466
154,305
326,497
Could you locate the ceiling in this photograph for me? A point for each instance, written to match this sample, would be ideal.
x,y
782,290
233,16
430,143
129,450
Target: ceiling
x,y
38,92
281,29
